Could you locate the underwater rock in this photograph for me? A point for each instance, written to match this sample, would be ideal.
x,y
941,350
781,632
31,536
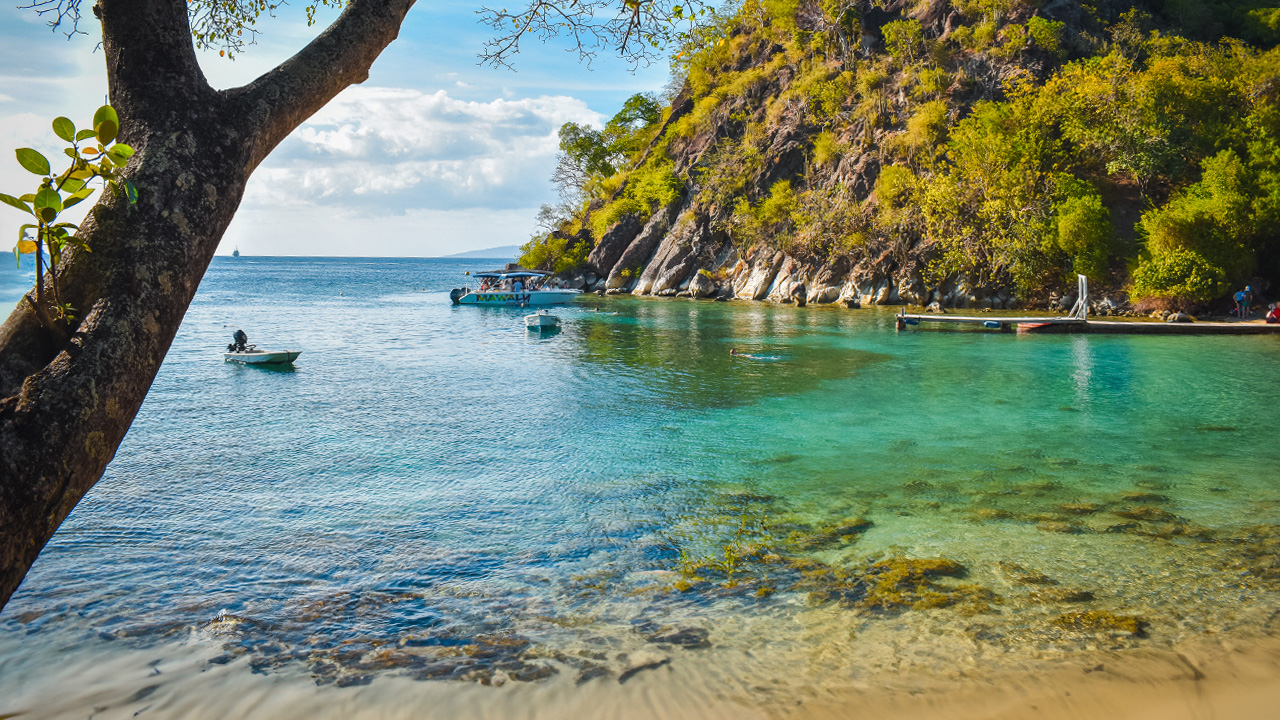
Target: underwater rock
x,y
534,671
1080,508
640,661
843,531
1061,595
1059,526
1102,621
1122,527
591,672
1150,514
1022,576
992,514
909,583
687,638
1144,497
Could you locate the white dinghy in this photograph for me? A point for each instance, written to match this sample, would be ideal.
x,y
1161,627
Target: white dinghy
x,y
541,320
251,355
240,351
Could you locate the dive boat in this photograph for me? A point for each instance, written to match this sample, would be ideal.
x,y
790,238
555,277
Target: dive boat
x,y
500,288
253,356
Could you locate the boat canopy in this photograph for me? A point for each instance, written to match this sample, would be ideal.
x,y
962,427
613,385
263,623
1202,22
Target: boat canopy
x,y
510,275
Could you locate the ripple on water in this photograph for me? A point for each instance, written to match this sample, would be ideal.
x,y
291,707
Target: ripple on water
x,y
433,497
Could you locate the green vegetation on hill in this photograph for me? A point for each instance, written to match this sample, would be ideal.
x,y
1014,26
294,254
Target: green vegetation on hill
x,y
1015,142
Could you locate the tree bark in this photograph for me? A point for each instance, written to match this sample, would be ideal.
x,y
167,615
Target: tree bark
x,y
67,404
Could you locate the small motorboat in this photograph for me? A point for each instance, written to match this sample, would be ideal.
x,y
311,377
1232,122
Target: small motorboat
x,y
541,320
253,356
241,351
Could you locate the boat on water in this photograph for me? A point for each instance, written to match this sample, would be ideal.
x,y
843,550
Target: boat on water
x,y
240,351
235,253
541,320
253,356
520,287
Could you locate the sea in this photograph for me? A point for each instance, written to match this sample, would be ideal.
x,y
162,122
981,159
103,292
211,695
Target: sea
x,y
438,513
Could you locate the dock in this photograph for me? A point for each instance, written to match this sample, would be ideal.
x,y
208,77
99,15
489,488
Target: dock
x,y
1046,325
1077,321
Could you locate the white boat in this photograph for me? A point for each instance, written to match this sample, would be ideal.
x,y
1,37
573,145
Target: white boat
x,y
540,320
254,356
520,288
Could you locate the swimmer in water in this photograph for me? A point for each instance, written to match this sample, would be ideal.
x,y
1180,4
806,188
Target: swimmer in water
x,y
733,351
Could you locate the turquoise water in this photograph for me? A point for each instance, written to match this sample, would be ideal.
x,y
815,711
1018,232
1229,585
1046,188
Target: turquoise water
x,y
436,493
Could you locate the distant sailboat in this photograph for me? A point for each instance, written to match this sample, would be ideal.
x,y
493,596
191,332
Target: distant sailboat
x,y
235,253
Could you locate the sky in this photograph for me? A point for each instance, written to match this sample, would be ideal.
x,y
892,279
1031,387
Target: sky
x,y
432,155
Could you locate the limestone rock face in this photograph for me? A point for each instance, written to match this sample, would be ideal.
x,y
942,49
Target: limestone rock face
x,y
675,257
824,294
636,256
763,272
1178,318
702,286
610,248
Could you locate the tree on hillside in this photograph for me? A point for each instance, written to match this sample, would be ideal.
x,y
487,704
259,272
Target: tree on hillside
x,y
68,394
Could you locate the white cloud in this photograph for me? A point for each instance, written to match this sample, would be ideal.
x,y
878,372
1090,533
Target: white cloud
x,y
416,233
392,150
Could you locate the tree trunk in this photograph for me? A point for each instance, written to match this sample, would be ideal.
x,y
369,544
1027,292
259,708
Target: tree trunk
x,y
67,405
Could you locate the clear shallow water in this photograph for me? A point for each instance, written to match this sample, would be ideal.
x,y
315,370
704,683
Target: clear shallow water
x,y
435,493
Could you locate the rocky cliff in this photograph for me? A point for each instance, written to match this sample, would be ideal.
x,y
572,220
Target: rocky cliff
x,y
893,153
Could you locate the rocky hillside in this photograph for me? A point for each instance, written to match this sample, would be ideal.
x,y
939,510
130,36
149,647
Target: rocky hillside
x,y
976,153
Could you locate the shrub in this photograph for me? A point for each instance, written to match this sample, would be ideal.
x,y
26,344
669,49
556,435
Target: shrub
x,y
1178,273
554,252
825,148
1047,35
649,187
1084,233
903,39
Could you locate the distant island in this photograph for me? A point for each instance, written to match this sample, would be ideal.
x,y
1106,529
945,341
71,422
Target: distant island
x,y
503,252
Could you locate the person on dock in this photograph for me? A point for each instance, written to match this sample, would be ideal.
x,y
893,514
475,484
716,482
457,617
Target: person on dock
x,y
1244,299
1273,314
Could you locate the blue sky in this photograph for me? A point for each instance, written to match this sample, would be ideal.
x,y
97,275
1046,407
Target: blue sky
x,y
432,155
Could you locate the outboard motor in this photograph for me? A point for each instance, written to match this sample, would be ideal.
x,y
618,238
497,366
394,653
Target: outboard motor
x,y
456,294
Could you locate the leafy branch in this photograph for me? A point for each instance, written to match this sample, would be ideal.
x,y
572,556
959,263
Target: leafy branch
x,y
98,158
640,28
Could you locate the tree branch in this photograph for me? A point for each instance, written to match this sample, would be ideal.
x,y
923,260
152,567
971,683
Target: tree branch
x,y
341,56
148,44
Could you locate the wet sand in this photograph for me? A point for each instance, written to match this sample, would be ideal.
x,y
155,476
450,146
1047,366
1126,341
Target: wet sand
x,y
1213,677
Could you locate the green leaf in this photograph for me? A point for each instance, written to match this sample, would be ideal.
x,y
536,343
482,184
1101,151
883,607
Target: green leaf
x,y
71,185
32,161
15,202
130,191
48,204
85,134
71,153
122,149
28,198
117,160
106,124
64,128
76,198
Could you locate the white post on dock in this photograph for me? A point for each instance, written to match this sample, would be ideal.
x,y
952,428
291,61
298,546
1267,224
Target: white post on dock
x,y
1080,311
